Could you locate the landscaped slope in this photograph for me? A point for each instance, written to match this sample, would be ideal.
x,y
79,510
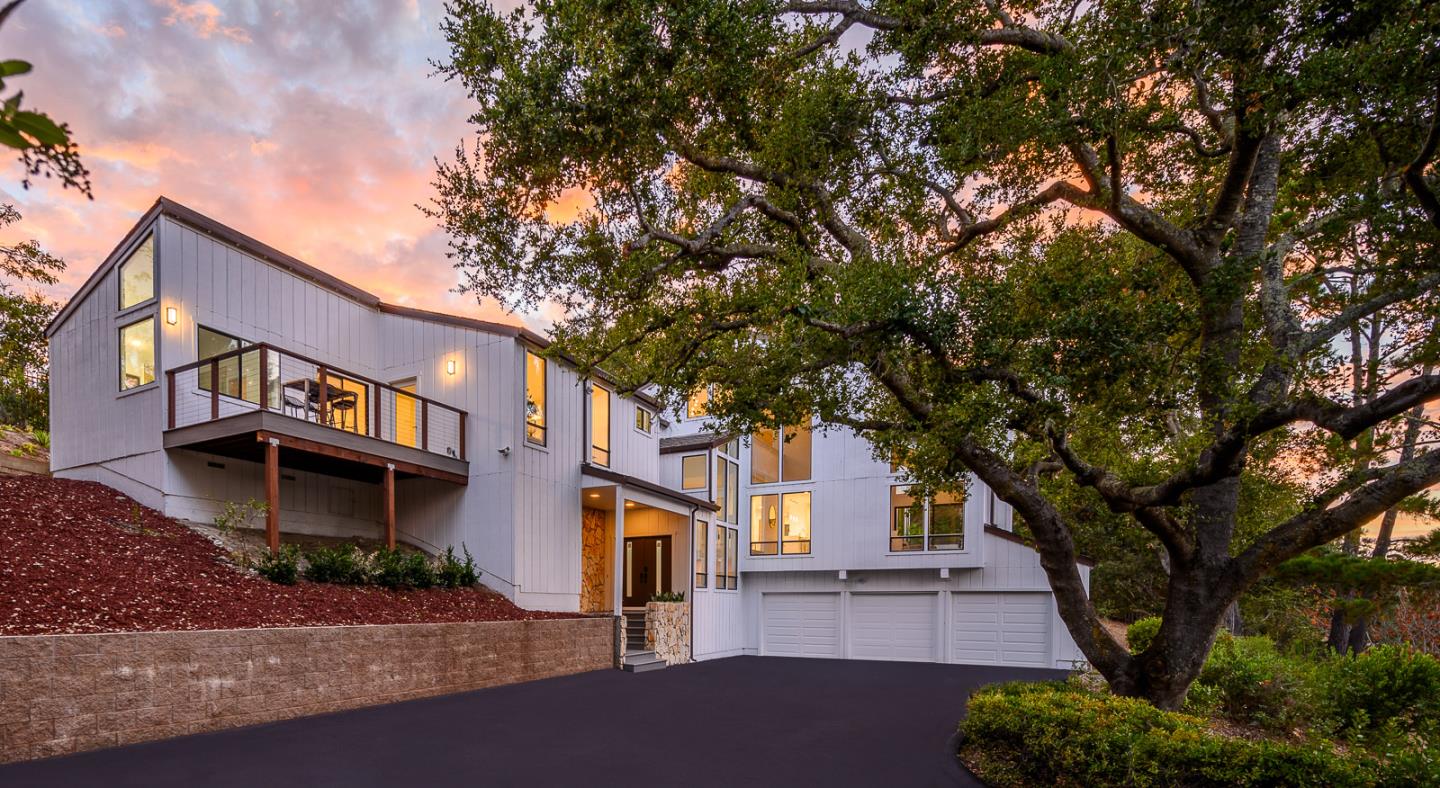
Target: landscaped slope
x,y
81,557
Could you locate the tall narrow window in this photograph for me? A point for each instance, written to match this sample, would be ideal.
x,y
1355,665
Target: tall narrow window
x,y
722,476
137,354
795,537
692,472
732,558
907,521
764,457
795,454
534,398
697,406
719,557
137,275
407,418
701,545
764,525
600,425
947,522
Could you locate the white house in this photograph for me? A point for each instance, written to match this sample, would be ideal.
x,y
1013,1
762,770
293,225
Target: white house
x,y
198,366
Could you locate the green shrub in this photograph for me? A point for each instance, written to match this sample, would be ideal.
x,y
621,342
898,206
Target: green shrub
x,y
454,573
342,564
1060,735
1251,682
668,596
282,567
239,515
1142,633
1384,685
399,569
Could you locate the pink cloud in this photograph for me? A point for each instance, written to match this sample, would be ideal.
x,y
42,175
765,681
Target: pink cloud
x,y
204,18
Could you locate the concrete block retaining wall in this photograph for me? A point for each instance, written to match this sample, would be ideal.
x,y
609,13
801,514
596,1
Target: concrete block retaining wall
x,y
68,693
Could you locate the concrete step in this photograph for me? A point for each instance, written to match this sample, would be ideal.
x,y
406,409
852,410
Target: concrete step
x,y
644,666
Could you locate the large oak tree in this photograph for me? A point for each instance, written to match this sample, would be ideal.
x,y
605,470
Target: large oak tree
x,y
1089,244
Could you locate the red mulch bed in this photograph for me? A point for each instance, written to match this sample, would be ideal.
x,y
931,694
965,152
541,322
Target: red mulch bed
x,y
73,560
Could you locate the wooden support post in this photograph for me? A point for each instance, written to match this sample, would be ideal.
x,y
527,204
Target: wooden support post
x,y
324,414
390,506
379,408
272,494
214,389
425,425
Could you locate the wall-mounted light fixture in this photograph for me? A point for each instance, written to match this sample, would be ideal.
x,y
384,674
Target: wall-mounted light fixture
x,y
450,367
172,315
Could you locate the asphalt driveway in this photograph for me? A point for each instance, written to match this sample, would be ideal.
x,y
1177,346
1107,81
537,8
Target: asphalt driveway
x,y
751,721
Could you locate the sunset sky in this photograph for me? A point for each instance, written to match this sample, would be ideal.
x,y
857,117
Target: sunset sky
x,y
311,126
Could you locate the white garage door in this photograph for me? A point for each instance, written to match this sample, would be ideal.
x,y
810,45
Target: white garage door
x,y
801,625
894,626
1000,629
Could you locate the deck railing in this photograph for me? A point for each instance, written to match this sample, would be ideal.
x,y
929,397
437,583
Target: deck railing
x,y
265,377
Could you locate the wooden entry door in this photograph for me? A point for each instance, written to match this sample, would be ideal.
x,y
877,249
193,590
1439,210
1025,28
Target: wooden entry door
x,y
647,568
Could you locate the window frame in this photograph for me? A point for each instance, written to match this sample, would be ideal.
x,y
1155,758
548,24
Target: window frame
x,y
595,449
120,277
780,541
239,360
644,420
732,559
120,330
526,424
780,443
704,403
701,553
704,473
926,520
720,557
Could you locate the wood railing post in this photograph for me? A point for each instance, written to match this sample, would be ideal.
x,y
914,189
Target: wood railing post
x,y
462,434
425,425
379,408
324,391
214,389
170,396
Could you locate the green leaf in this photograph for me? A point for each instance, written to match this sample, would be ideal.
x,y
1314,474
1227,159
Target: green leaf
x,y
12,139
9,68
41,127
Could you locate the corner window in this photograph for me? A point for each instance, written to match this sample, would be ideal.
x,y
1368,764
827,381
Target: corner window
x,y
137,354
600,425
239,375
780,524
137,275
644,420
775,460
534,398
921,525
698,404
701,545
692,472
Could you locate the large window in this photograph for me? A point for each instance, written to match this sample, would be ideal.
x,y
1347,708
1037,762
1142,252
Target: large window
x,y
137,354
934,524
775,460
239,376
137,275
698,404
600,425
701,545
780,524
692,472
534,398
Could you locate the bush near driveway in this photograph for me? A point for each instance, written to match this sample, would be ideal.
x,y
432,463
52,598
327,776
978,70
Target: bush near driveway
x,y
1061,735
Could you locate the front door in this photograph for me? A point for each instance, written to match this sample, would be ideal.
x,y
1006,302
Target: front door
x,y
647,568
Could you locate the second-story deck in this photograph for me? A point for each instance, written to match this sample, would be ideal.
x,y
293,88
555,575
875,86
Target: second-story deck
x,y
328,419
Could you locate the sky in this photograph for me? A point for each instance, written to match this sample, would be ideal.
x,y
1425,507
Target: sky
x,y
312,126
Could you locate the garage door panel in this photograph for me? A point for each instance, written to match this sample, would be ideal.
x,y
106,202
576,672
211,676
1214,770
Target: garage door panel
x,y
1000,628
893,627
801,625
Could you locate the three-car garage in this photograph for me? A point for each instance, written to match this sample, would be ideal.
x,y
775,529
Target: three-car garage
x,y
969,627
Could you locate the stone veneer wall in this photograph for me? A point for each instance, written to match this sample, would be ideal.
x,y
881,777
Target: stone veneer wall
x,y
67,693
667,630
593,550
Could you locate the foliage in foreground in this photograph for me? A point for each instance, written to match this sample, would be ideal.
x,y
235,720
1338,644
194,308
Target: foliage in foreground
x,y
395,569
1063,735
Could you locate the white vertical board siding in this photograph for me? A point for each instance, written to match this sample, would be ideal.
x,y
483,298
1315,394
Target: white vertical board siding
x,y
547,490
719,619
98,432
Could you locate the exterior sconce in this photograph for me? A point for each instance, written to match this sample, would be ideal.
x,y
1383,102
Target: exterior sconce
x,y
450,367
172,315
